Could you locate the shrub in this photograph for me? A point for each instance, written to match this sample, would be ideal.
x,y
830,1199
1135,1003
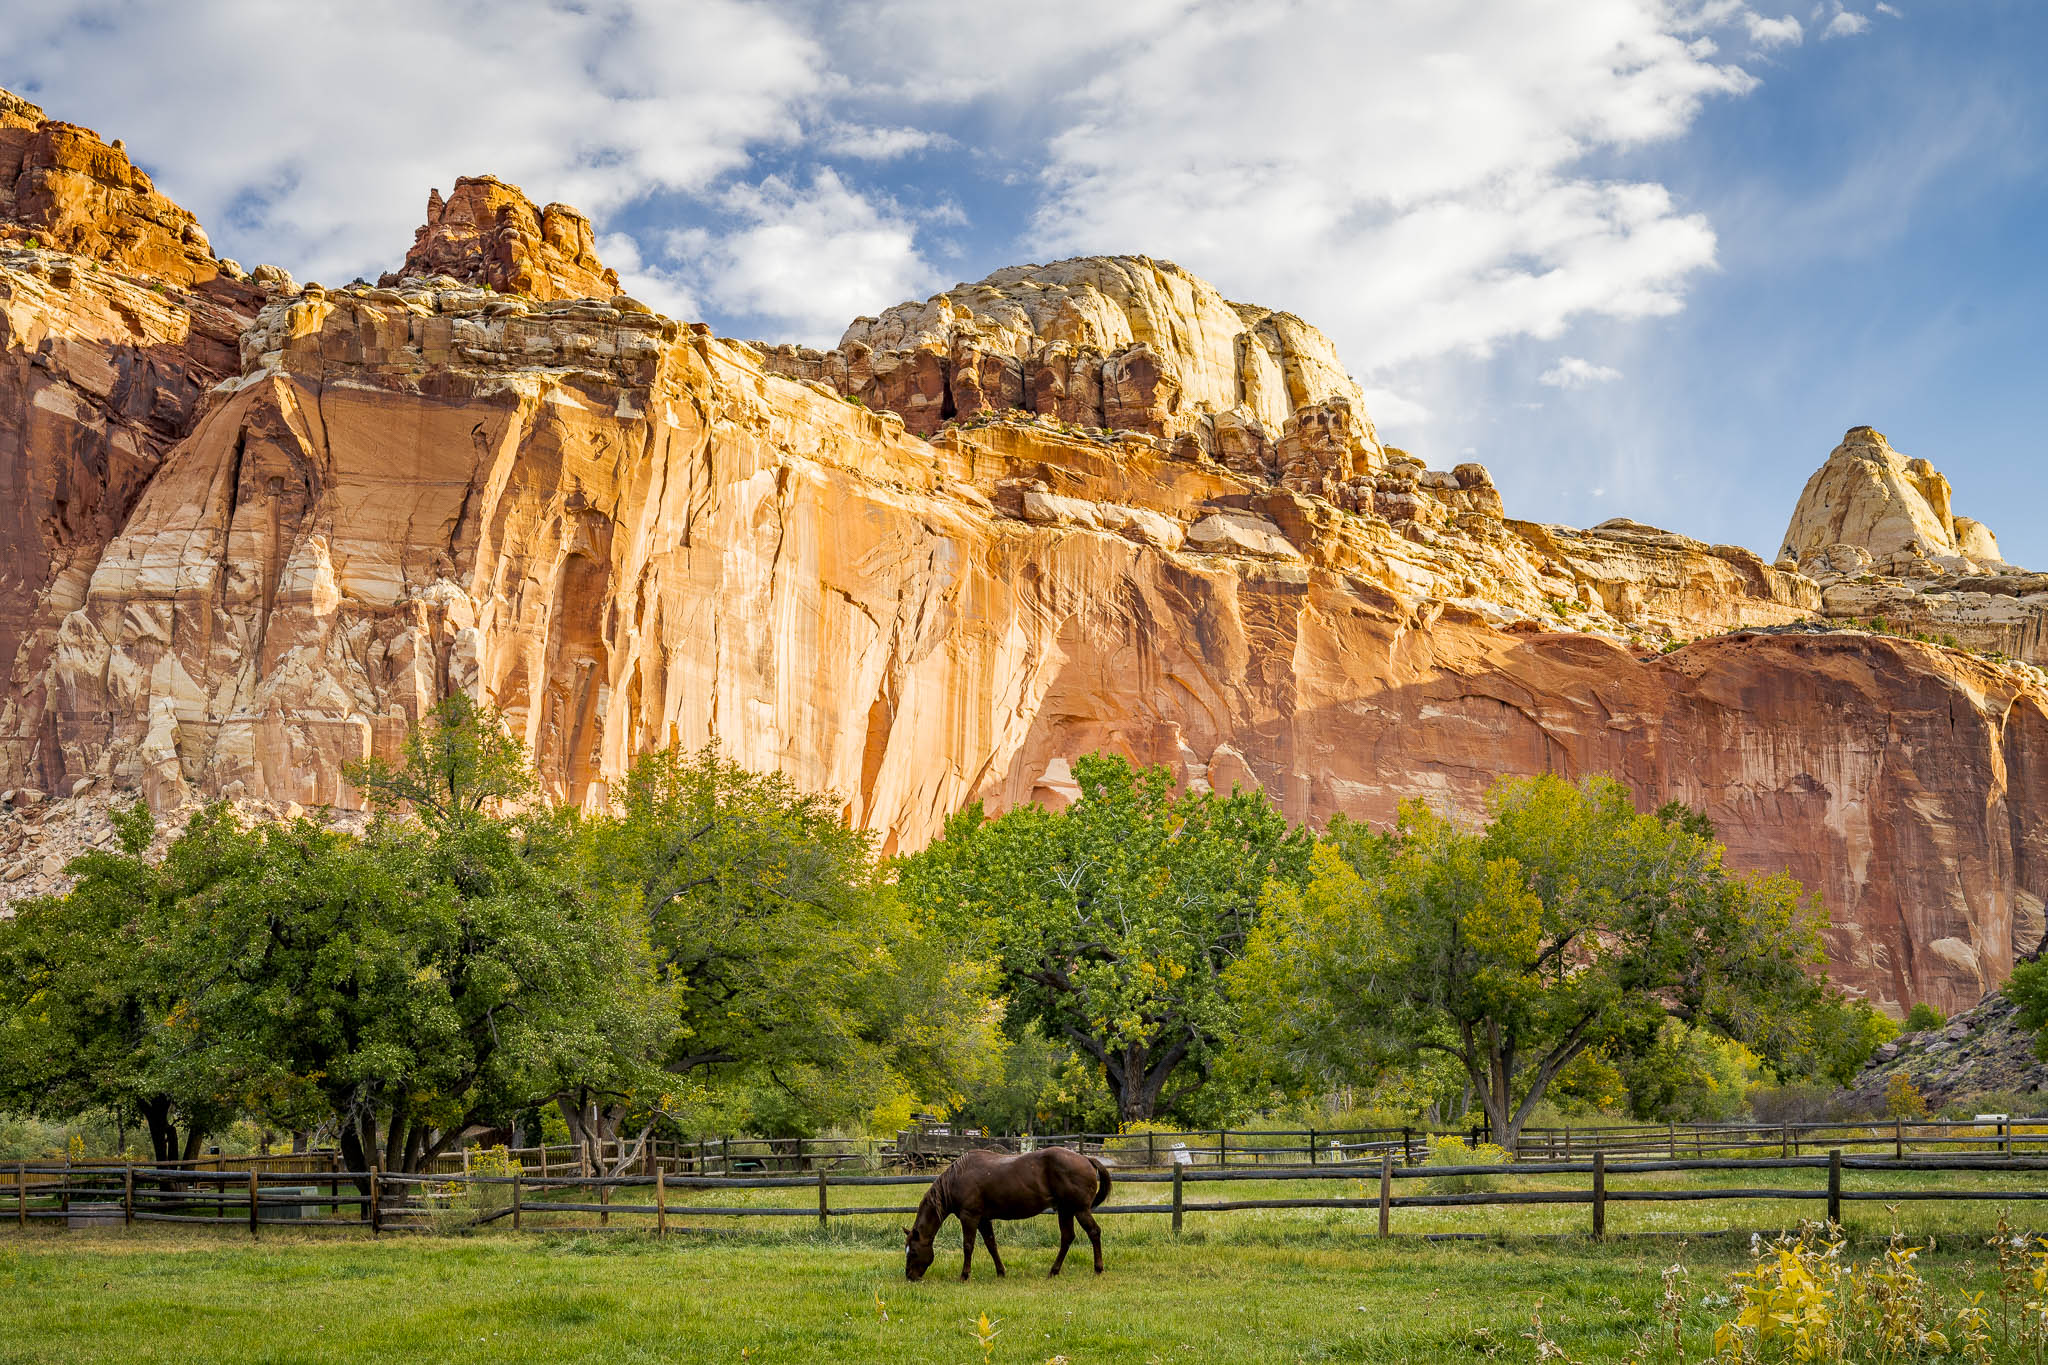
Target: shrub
x,y
1453,1151
457,1204
1923,1017
1902,1098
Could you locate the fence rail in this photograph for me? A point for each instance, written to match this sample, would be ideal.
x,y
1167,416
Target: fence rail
x,y
79,1194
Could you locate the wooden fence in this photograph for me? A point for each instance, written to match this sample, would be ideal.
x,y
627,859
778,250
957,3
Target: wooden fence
x,y
1198,1149
1294,1146
90,1195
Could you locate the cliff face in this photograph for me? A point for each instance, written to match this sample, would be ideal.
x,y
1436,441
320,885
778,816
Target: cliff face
x,y
625,532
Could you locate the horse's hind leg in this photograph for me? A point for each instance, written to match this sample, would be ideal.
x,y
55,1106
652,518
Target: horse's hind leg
x,y
1094,1235
988,1235
1066,1240
967,1254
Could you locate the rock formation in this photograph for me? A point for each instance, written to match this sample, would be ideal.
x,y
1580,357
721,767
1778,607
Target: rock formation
x,y
626,532
1870,507
1117,343
489,233
63,187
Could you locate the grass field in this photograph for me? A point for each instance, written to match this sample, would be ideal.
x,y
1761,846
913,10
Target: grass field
x,y
1278,1286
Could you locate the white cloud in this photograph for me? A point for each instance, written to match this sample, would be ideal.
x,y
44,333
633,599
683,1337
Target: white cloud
x,y
1892,10
1293,153
1576,372
1454,154
1783,32
864,143
310,133
809,257
1846,24
1390,408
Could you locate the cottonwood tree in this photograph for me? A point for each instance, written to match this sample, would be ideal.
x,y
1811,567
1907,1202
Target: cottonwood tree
x,y
1570,922
799,978
1114,919
88,979
439,972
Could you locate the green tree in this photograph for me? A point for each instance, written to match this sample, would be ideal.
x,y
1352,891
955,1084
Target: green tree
x,y
1569,922
89,979
1114,919
1923,1017
439,972
798,975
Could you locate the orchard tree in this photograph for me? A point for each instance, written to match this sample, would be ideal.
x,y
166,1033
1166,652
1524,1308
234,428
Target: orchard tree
x,y
1114,919
88,980
800,980
1569,923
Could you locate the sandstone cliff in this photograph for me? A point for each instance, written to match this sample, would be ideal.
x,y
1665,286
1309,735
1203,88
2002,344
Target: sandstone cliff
x,y
625,531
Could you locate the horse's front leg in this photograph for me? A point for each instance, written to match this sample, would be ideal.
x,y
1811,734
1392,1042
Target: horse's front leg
x,y
988,1235
1094,1236
967,1252
1066,1240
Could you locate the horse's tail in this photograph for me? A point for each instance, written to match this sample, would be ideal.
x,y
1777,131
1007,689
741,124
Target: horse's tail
x,y
1101,1182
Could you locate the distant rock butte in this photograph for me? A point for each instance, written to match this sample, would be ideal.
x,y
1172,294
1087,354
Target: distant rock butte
x,y
489,233
624,531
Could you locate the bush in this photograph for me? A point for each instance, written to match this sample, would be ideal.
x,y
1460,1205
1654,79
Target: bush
x,y
1902,1098
1130,1146
458,1204
1453,1151
1923,1017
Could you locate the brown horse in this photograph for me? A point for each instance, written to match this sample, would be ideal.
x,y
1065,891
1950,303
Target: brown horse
x,y
982,1187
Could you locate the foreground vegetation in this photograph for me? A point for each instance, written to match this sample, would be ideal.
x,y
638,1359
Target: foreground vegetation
x,y
1284,1287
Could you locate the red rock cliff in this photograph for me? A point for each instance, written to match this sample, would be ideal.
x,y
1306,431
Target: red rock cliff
x,y
622,530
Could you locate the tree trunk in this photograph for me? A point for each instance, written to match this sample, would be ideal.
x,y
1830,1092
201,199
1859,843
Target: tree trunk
x,y
163,1134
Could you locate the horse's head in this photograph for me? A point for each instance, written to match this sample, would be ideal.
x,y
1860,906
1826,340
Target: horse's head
x,y
917,1255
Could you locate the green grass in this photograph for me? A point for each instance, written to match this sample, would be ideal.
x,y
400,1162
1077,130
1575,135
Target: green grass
x,y
1265,1286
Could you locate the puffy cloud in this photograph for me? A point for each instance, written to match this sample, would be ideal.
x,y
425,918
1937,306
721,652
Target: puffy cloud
x,y
1786,31
753,158
1846,24
1575,372
310,133
807,258
1453,151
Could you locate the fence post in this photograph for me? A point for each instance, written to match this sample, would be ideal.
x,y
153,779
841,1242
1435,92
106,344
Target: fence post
x,y
376,1192
1898,1139
128,1195
1671,1140
823,1212
1405,1158
64,1191
254,1204
1151,1148
1599,1196
2007,1126
604,1205
1178,1202
1835,1186
1386,1190
660,1202
21,1193
1222,1149
518,1199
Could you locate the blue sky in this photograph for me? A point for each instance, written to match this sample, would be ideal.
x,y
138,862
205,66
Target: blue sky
x,y
1641,257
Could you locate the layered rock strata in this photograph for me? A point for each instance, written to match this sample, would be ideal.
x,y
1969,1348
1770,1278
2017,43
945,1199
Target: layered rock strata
x,y
628,533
